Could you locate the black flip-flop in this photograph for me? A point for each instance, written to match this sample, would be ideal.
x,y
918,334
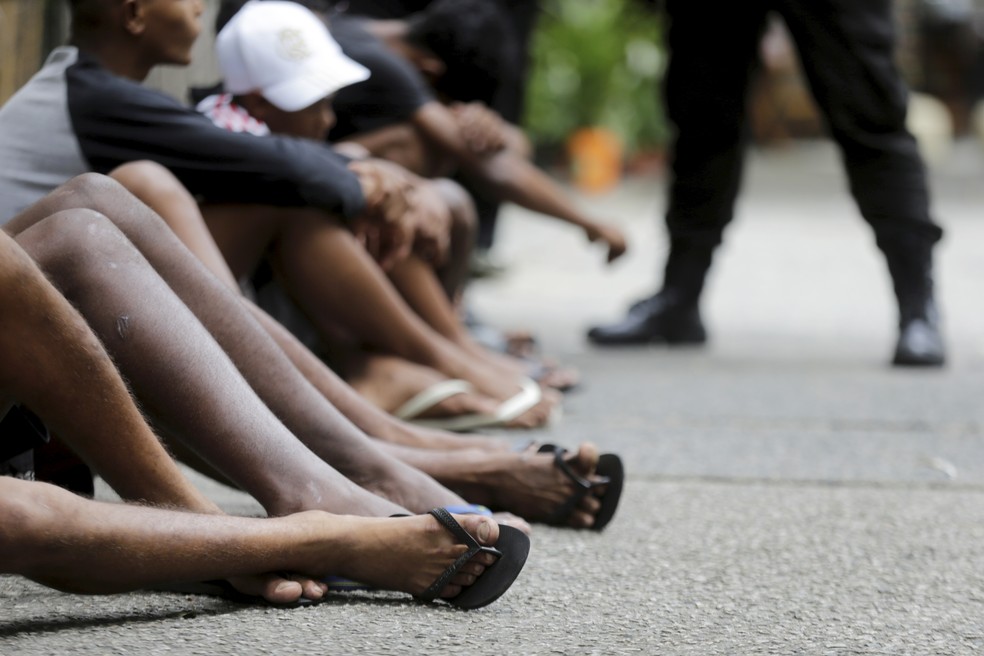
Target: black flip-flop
x,y
611,475
511,550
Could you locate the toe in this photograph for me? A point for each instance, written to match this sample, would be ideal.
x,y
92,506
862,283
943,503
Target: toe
x,y
311,589
586,459
273,588
483,529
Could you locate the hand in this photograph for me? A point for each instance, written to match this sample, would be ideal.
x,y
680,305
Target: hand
x,y
433,220
483,130
386,227
611,236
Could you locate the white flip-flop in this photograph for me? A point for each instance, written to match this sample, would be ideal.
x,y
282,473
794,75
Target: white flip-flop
x,y
528,396
430,397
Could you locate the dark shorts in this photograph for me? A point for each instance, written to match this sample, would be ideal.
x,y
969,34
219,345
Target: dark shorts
x,y
21,431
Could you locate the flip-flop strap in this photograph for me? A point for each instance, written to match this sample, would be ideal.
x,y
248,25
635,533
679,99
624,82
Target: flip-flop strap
x,y
431,396
582,486
529,395
463,536
578,480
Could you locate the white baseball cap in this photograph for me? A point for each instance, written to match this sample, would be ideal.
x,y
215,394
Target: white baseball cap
x,y
284,52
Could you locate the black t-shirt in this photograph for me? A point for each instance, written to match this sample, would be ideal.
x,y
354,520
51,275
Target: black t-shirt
x,y
394,91
383,8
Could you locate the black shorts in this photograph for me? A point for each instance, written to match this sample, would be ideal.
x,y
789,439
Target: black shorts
x,y
21,431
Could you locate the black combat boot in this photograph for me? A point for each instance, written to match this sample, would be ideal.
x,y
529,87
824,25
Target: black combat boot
x,y
672,315
920,342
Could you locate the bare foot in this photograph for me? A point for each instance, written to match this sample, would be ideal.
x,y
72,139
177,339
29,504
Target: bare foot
x,y
389,382
406,554
545,371
532,486
278,589
542,413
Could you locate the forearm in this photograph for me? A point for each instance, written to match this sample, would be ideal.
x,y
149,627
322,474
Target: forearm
x,y
509,177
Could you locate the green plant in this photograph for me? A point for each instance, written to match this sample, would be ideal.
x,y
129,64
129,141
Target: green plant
x,y
597,63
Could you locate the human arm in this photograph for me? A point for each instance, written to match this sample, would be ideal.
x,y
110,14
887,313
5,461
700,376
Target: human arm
x,y
484,131
403,213
507,175
118,121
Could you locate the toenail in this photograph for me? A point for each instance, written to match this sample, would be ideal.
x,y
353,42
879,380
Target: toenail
x,y
483,532
282,586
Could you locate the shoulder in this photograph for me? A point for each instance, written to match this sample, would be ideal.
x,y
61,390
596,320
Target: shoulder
x,y
386,67
91,84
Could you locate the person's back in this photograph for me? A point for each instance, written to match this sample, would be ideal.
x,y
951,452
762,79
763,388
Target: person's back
x,y
30,166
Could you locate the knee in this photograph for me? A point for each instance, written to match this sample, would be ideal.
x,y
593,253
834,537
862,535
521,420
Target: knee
x,y
89,190
16,270
147,177
68,242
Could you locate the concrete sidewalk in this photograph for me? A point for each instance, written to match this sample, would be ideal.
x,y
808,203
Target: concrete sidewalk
x,y
788,493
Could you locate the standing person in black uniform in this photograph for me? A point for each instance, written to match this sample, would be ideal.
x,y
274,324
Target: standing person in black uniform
x,y
846,48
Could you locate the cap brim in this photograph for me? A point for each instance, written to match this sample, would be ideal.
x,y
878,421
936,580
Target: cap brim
x,y
315,83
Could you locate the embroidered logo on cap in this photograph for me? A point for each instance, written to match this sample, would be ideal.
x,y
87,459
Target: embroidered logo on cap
x,y
292,45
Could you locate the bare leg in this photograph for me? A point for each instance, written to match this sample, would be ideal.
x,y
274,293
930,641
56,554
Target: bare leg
x,y
247,238
389,382
466,472
464,226
184,380
325,268
416,282
370,419
73,544
162,192
528,484
278,383
51,351
55,364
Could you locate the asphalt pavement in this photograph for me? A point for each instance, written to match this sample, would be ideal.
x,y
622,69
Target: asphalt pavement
x,y
788,492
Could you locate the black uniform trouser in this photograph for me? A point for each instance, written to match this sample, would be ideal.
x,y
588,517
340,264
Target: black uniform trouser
x,y
846,49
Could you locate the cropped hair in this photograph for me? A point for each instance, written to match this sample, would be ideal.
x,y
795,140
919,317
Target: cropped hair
x,y
472,39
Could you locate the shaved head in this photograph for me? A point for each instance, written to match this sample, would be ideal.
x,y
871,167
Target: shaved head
x,y
132,36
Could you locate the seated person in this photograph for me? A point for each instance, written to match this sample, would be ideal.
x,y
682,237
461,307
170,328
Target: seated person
x,y
73,544
505,95
258,104
282,473
261,455
86,109
411,109
423,105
